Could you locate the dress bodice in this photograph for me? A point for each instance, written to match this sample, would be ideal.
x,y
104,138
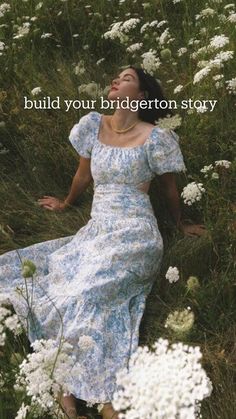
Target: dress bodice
x,y
126,165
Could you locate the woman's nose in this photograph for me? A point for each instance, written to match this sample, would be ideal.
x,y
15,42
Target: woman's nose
x,y
114,82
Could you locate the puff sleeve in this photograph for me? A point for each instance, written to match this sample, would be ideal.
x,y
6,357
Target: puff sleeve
x,y
164,154
82,136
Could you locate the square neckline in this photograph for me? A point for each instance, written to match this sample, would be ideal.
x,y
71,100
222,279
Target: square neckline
x,y
119,147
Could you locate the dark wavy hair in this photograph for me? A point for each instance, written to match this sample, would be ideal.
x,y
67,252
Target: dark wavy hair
x,y
153,90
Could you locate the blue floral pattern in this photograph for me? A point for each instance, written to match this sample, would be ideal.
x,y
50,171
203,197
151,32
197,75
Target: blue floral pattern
x,y
99,278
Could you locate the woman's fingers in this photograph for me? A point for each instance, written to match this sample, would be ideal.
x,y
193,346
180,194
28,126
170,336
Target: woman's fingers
x,y
48,207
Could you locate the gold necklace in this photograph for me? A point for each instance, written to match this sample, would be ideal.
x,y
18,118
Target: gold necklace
x,y
122,130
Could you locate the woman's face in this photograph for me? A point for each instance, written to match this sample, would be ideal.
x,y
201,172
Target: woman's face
x,y
125,84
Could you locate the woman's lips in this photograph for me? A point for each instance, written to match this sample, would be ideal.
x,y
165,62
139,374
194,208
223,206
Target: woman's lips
x,y
113,88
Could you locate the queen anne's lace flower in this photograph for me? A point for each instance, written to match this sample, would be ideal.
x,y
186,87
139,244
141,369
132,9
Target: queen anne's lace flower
x,y
36,90
223,163
172,274
180,322
166,383
46,372
192,193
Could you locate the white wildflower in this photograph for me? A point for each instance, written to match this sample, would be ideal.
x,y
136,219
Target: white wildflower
x,y
166,382
180,322
22,30
79,69
223,163
229,6
46,372
22,412
215,175
92,89
161,23
100,61
192,193
170,122
129,24
165,37
2,46
144,27
221,57
46,35
150,61
178,88
201,74
181,51
13,324
205,13
36,91
232,18
172,274
218,41
206,169
201,109
231,85
4,8
134,47
218,77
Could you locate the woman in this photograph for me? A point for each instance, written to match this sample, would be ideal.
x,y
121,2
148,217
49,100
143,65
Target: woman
x,y
100,277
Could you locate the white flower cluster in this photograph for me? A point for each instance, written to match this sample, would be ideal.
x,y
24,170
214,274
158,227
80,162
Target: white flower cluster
x,y
47,372
22,412
178,88
231,86
36,90
8,321
172,274
4,7
150,61
209,169
170,122
181,51
205,13
134,47
166,383
79,68
92,89
180,322
218,41
22,30
192,193
120,29
223,163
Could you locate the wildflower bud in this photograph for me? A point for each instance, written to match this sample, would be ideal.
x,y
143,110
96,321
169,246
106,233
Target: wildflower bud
x,y
180,322
193,284
166,54
28,268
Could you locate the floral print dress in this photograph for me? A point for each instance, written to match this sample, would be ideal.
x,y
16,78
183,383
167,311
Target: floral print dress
x,y
98,278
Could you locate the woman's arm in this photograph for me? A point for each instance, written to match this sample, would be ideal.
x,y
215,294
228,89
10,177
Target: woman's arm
x,y
169,187
170,191
81,180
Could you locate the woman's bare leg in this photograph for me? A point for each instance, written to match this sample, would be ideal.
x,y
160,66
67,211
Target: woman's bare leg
x,y
68,404
108,412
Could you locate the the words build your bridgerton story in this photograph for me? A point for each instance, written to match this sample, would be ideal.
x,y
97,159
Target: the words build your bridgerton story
x,y
49,103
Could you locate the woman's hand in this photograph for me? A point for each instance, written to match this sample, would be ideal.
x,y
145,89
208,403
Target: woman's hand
x,y
52,203
193,230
